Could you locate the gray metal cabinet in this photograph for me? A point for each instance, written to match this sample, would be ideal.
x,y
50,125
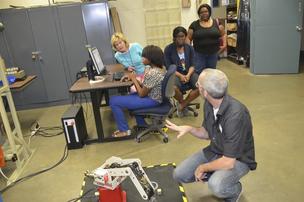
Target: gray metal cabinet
x,y
19,41
50,56
275,40
99,29
58,34
80,25
73,38
3,47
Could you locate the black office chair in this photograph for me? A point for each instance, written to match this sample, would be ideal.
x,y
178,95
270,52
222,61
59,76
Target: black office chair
x,y
158,114
190,105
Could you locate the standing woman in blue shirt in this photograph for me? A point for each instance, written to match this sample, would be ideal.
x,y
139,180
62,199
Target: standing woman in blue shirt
x,y
129,55
209,39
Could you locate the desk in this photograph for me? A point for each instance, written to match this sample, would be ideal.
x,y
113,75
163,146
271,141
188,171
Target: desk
x,y
97,90
19,85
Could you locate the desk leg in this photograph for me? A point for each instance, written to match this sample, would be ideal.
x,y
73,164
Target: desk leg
x,y
96,97
107,98
105,93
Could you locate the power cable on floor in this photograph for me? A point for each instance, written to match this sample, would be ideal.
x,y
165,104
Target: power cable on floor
x,y
83,196
36,130
63,158
3,174
50,131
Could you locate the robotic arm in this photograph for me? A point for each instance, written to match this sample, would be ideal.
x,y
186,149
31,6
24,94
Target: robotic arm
x,y
115,170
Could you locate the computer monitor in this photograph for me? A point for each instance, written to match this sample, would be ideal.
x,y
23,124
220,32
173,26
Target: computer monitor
x,y
97,61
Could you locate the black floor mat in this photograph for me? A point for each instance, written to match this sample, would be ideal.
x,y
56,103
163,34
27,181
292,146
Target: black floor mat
x,y
161,174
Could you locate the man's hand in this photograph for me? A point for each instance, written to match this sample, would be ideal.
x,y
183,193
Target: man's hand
x,y
181,129
200,172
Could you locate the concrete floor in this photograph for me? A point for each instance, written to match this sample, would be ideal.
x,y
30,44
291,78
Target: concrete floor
x,y
276,104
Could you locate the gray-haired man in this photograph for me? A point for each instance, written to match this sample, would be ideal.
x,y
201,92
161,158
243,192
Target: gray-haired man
x,y
227,124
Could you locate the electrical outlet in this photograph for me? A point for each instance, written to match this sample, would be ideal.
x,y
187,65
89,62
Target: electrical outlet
x,y
37,127
35,130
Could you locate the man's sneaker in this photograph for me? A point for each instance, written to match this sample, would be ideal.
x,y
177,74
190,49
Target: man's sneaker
x,y
235,198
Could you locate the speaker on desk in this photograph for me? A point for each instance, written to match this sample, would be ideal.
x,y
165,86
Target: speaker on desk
x,y
90,70
74,127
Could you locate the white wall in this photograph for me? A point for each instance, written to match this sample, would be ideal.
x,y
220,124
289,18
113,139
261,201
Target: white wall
x,y
131,14
132,18
189,15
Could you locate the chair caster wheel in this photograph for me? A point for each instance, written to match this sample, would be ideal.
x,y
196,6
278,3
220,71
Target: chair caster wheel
x,y
170,116
195,114
138,140
165,129
165,140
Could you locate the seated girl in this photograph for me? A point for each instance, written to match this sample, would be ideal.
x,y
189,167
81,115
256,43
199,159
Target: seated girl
x,y
181,54
148,92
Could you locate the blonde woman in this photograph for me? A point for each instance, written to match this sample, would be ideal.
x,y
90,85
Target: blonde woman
x,y
128,54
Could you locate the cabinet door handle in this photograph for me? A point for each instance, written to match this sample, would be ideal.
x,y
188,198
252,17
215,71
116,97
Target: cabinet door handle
x,y
36,55
299,28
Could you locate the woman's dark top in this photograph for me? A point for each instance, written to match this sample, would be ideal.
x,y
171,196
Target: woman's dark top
x,y
172,57
206,40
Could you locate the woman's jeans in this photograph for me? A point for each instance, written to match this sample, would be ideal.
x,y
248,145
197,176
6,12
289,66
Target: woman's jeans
x,y
223,183
203,61
130,102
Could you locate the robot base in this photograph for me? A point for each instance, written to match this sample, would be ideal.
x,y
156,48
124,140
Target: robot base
x,y
116,195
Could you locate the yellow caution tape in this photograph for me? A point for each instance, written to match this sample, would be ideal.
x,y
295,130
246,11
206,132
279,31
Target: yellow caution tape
x,y
181,189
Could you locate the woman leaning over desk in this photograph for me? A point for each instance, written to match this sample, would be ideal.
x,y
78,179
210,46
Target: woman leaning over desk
x,y
148,92
129,55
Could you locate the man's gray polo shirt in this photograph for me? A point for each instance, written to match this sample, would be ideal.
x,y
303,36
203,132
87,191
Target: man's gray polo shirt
x,y
231,133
